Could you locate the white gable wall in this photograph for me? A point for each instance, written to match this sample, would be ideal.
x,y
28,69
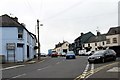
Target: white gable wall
x,y
10,35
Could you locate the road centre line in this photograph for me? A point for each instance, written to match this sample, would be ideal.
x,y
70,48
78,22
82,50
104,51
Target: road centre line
x,y
85,71
43,68
58,63
19,75
91,72
92,68
12,67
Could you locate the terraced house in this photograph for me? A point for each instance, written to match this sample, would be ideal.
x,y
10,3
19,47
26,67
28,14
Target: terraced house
x,y
18,44
96,42
62,47
79,42
113,39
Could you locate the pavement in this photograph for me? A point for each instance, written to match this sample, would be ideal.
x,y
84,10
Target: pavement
x,y
5,65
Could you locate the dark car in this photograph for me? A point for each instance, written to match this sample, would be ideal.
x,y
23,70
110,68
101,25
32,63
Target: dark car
x,y
102,56
70,55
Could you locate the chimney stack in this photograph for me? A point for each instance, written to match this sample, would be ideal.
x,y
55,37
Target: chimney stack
x,y
82,34
98,33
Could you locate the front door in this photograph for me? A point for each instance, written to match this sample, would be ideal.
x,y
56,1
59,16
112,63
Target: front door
x,y
11,56
20,53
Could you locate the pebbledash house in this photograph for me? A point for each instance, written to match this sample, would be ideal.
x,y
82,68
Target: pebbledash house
x,y
17,44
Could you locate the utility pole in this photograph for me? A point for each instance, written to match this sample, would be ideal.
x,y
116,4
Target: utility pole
x,y
38,40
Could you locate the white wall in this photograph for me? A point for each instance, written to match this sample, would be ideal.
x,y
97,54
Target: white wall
x,y
98,44
0,40
10,35
111,40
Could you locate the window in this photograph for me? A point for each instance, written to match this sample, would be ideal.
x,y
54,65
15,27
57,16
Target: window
x,y
66,44
88,45
96,49
114,40
108,41
20,36
19,45
103,43
83,45
95,44
20,33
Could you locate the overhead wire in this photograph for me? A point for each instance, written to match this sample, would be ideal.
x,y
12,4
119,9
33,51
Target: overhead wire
x,y
65,10
28,5
73,6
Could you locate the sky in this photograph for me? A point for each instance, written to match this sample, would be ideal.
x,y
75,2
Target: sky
x,y
62,19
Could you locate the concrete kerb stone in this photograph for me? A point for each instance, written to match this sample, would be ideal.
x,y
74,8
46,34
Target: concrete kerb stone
x,y
20,63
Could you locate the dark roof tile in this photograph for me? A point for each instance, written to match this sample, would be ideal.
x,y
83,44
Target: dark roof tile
x,y
114,30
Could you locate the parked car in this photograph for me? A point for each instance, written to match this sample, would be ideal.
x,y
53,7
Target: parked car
x,y
102,56
63,54
82,52
54,54
70,55
43,55
89,53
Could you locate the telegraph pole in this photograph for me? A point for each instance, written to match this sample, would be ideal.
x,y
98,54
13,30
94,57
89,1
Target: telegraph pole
x,y
38,40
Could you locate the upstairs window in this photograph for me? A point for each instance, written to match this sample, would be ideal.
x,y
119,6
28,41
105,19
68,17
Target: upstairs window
x,y
114,40
20,33
108,41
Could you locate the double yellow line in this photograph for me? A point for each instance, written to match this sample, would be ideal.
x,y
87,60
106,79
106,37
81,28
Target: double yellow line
x,y
91,72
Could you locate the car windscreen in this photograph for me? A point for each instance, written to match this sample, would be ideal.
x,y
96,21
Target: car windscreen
x,y
99,52
70,53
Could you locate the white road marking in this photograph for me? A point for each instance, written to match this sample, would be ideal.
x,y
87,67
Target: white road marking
x,y
114,69
89,73
92,68
12,67
19,75
58,63
43,68
85,71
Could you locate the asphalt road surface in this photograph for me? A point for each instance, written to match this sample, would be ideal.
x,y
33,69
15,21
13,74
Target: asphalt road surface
x,y
62,69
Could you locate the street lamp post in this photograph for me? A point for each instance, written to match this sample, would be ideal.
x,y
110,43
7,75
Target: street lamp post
x,y
38,40
39,54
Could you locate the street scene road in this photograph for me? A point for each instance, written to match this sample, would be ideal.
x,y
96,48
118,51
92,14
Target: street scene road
x,y
60,39
60,68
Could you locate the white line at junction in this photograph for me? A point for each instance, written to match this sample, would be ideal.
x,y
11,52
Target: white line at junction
x,y
12,67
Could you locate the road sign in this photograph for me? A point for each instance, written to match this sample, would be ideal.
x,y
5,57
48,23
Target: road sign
x,y
10,46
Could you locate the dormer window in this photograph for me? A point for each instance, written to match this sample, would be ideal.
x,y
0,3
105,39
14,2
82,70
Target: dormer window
x,y
20,33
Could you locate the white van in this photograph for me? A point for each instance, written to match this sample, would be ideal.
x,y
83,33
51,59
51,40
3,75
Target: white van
x,y
82,52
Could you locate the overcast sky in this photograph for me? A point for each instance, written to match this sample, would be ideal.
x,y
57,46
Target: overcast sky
x,y
63,19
